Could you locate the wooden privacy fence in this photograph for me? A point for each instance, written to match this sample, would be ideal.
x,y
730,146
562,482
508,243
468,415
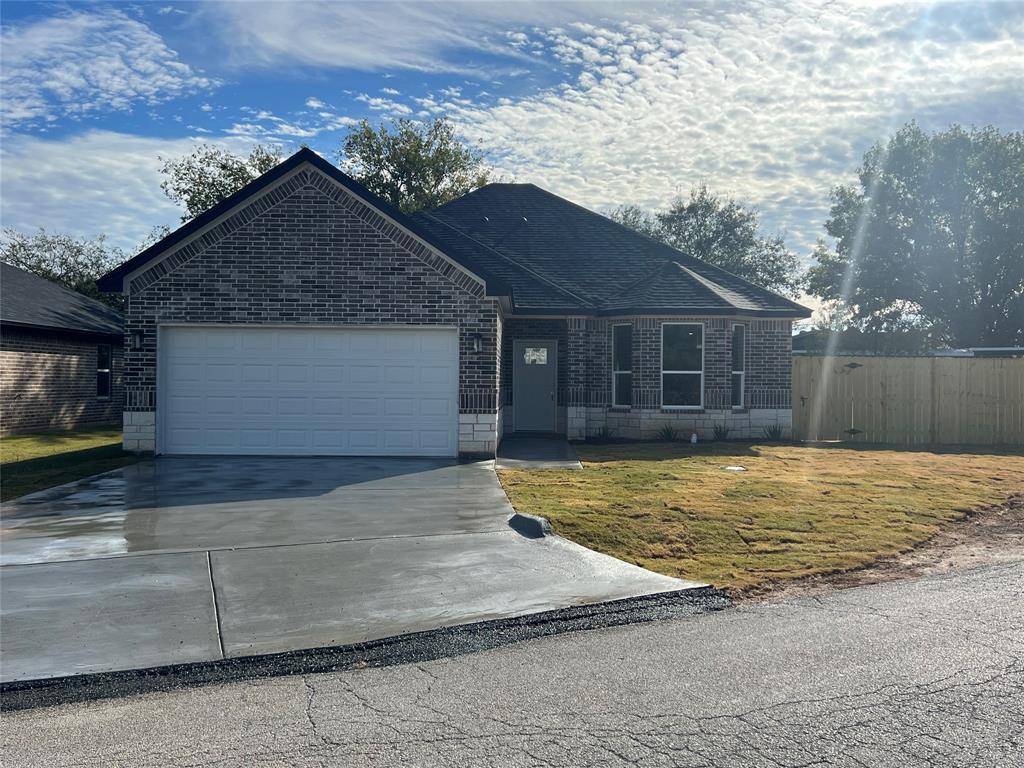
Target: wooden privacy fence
x,y
909,400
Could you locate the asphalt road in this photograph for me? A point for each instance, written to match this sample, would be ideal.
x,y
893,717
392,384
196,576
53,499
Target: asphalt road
x,y
925,672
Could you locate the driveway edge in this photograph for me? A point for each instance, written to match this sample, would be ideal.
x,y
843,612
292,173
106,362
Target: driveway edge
x,y
416,647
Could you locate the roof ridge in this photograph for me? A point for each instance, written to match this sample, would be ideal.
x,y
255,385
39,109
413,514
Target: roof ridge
x,y
659,267
719,290
502,256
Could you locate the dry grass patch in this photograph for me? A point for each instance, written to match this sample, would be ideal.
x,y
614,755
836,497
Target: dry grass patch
x,y
797,511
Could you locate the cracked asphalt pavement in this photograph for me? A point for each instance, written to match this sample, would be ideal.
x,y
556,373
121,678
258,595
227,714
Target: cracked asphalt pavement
x,y
923,672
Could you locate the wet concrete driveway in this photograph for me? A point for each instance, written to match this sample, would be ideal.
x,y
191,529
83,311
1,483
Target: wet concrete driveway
x,y
186,559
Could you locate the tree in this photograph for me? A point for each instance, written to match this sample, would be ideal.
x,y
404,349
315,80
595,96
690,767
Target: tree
x,y
723,232
636,218
412,165
201,179
75,263
931,237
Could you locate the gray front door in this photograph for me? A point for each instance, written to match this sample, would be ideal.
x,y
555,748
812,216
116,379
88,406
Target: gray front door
x,y
534,381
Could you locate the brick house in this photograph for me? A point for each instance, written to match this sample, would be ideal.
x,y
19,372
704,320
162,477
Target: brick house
x,y
60,356
303,315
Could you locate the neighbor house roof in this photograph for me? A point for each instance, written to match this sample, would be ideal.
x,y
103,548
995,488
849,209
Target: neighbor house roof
x,y
35,302
547,254
594,264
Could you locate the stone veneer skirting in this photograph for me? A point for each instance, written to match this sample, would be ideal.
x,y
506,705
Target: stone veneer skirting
x,y
644,424
479,434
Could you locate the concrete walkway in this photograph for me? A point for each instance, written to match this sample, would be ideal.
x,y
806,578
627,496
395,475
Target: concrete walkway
x,y
536,452
181,560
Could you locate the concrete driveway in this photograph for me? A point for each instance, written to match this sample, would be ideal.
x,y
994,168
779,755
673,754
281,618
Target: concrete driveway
x,y
196,559
911,674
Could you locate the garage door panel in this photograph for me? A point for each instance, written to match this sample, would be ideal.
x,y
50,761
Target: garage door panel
x,y
436,407
185,373
399,374
255,438
364,374
293,406
329,374
252,373
221,405
435,374
329,406
308,391
293,374
364,440
364,406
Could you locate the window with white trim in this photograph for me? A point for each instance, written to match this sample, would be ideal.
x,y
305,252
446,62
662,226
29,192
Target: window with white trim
x,y
682,365
622,365
739,364
103,366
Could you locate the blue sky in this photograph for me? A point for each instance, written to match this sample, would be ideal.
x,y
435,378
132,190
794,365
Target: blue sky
x,y
603,103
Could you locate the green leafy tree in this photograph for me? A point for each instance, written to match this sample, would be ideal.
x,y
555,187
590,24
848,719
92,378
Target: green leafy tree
x,y
722,231
207,175
636,218
75,263
412,165
931,237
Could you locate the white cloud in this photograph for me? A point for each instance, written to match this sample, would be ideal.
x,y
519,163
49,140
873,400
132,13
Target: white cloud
x,y
264,126
82,62
387,106
775,104
314,103
96,182
376,36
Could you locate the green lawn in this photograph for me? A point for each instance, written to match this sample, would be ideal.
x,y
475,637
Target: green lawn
x,y
41,460
796,511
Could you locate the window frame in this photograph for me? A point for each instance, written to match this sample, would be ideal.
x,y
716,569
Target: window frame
x,y
661,366
616,373
742,374
109,371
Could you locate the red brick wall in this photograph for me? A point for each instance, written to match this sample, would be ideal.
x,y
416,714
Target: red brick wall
x,y
768,361
309,253
48,381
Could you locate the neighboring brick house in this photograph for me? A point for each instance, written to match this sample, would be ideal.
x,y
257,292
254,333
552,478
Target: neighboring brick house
x,y
60,356
304,315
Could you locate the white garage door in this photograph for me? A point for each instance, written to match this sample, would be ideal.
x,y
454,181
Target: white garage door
x,y
305,391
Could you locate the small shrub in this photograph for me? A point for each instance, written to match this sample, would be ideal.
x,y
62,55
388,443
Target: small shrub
x,y
773,432
668,433
721,432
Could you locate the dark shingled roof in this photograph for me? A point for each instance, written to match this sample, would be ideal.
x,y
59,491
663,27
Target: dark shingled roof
x,y
35,302
549,255
594,265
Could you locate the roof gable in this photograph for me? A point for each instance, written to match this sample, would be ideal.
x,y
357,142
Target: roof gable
x,y
32,301
113,281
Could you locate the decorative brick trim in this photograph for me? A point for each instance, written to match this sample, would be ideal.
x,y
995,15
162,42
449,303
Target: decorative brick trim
x,y
478,400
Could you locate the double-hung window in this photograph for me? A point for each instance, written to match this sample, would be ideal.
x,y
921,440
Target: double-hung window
x,y
682,365
103,366
622,365
739,367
